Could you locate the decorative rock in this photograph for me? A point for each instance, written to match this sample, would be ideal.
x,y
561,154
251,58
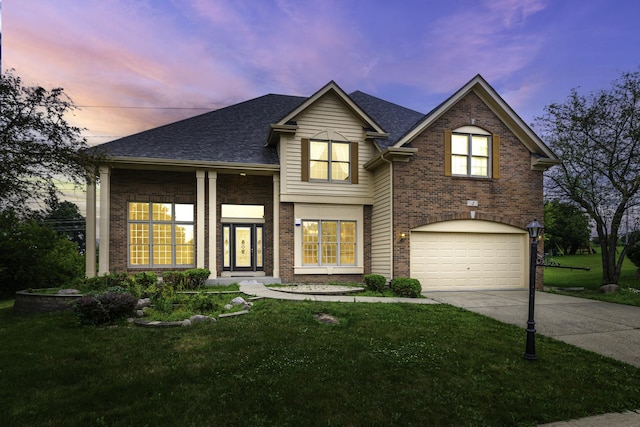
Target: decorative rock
x,y
228,307
186,322
247,305
610,288
326,318
201,318
139,313
238,301
68,292
143,302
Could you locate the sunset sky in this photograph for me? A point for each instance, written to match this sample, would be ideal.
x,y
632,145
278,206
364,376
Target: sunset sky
x,y
131,65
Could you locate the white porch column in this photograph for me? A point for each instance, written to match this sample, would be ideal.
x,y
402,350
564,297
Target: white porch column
x,y
276,225
200,202
105,217
213,223
90,233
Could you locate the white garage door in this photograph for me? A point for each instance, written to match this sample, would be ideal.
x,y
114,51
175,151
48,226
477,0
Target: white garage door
x,y
469,260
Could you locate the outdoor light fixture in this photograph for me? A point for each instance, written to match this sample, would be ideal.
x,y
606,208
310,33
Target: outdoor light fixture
x,y
535,231
402,236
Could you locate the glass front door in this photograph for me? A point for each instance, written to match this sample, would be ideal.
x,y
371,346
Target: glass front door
x,y
242,247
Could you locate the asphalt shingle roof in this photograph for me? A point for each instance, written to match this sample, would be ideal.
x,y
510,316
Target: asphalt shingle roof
x,y
238,133
234,134
393,118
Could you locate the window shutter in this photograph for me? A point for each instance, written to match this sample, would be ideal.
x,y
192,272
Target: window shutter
x,y
304,167
495,155
447,153
354,163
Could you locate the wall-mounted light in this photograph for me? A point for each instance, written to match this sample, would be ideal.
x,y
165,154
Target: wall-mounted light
x,y
402,236
243,174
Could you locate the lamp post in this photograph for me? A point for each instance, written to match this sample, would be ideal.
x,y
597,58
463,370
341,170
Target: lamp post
x,y
535,230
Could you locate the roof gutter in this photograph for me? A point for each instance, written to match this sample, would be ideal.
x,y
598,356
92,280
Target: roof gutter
x,y
117,161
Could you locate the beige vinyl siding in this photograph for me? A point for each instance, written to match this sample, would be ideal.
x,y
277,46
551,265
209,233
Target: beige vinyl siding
x,y
328,118
381,239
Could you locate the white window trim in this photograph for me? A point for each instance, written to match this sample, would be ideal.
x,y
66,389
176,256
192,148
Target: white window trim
x,y
469,131
330,162
331,213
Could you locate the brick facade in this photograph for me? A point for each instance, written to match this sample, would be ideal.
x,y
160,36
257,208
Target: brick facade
x,y
424,195
142,186
243,190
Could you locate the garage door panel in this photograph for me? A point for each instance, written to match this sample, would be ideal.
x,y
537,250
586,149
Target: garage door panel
x,y
468,260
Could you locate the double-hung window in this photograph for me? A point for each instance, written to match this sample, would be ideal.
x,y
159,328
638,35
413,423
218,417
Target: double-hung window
x,y
470,155
329,161
160,234
328,242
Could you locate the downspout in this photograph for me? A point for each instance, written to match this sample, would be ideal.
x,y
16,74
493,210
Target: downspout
x,y
390,213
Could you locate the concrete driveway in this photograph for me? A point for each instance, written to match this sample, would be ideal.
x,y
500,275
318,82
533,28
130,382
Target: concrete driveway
x,y
609,329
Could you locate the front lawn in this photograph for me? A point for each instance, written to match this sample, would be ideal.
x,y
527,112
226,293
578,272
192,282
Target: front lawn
x,y
592,280
382,364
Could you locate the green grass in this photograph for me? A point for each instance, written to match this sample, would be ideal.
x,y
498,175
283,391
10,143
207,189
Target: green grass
x,y
592,280
382,365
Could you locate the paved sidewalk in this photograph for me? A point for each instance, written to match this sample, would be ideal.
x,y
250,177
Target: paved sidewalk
x,y
260,290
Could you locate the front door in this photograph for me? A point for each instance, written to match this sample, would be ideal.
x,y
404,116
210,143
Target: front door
x,y
242,247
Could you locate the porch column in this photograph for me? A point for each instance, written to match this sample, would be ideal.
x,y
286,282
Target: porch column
x,y
105,216
90,233
276,225
200,199
213,223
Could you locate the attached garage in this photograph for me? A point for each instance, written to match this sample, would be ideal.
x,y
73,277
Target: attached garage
x,y
469,254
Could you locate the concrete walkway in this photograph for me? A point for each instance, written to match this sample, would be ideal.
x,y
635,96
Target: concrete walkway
x,y
609,329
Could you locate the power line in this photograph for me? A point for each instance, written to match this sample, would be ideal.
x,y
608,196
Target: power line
x,y
145,108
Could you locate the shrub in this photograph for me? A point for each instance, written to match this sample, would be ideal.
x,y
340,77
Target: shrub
x,y
406,287
117,305
633,253
203,304
104,308
89,311
145,279
375,282
174,279
186,280
195,278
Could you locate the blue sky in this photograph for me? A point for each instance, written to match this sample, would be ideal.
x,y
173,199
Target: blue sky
x,y
172,59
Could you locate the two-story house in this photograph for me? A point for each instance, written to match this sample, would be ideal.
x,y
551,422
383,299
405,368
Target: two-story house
x,y
327,188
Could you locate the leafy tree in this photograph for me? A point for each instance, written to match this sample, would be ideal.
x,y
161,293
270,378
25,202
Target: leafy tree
x,y
566,227
35,256
37,145
65,218
597,137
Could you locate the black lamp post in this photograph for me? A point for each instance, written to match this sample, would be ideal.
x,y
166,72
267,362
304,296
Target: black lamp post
x,y
535,230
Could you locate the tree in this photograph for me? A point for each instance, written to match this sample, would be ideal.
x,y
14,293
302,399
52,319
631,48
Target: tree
x,y
597,137
35,256
37,146
566,227
65,218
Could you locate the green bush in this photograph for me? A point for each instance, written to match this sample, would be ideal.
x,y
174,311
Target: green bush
x,y
187,280
406,287
35,256
375,282
195,278
633,253
107,307
203,304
